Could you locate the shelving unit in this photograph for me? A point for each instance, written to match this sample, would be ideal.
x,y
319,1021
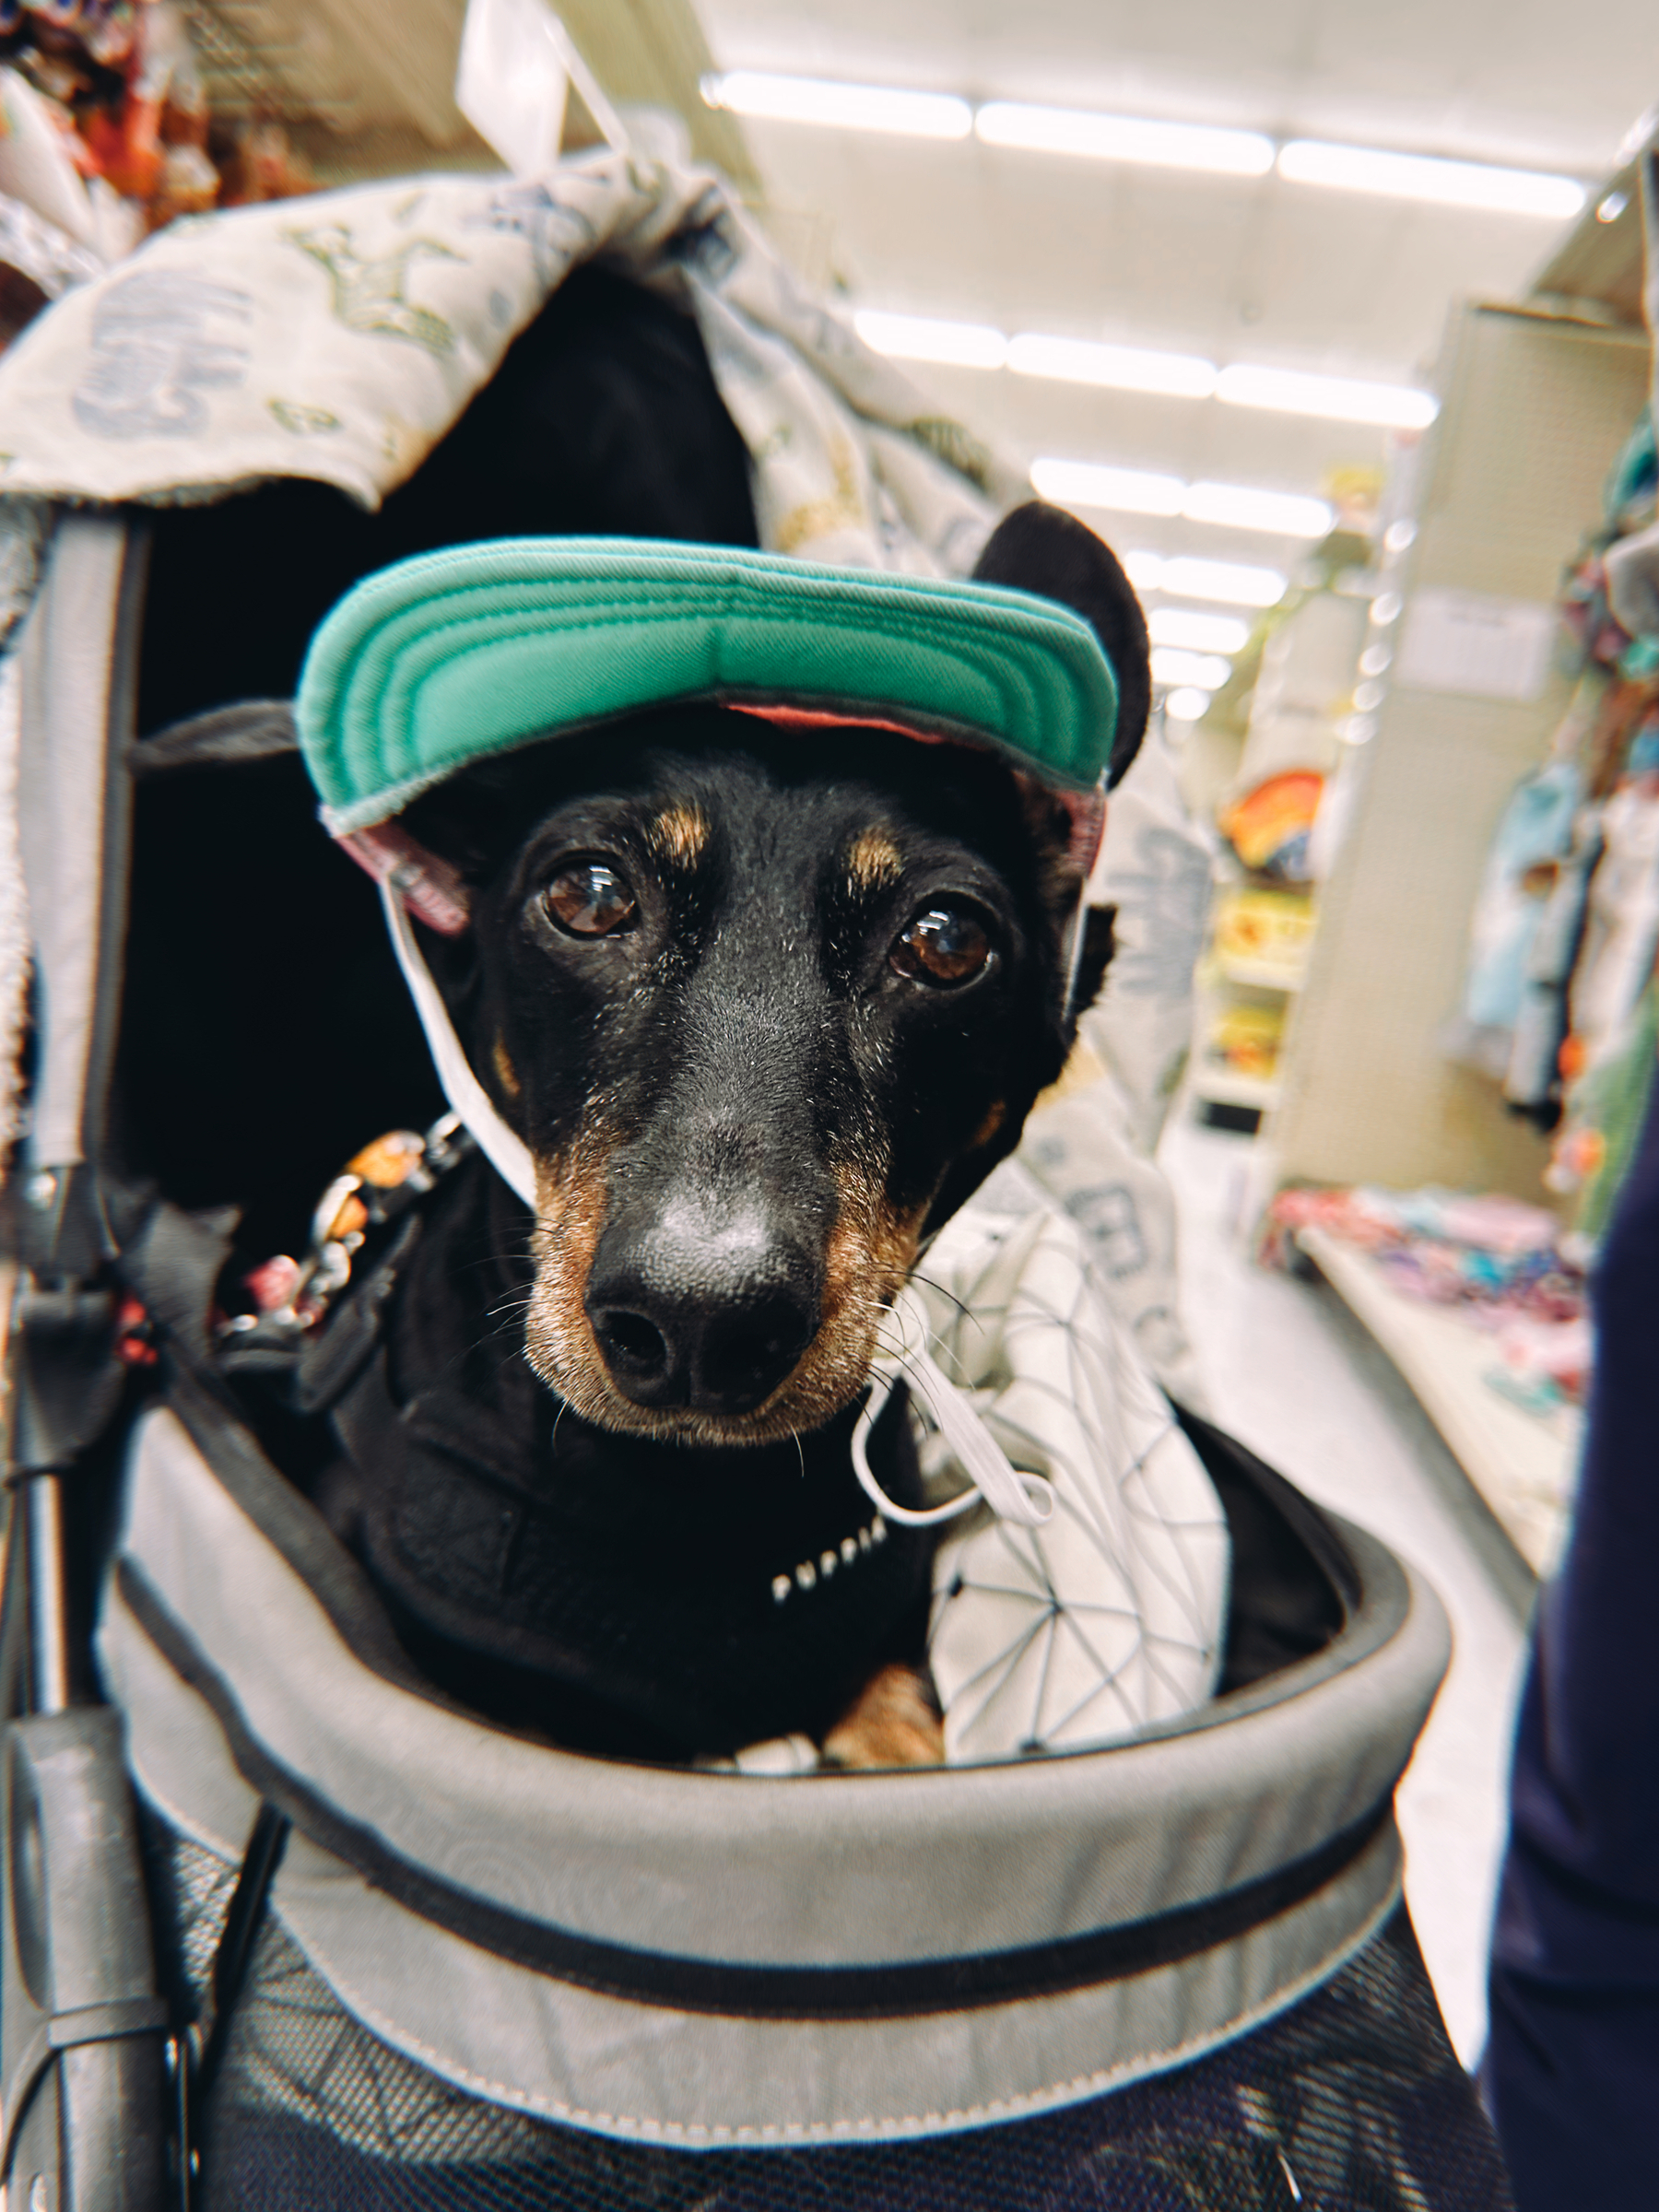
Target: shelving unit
x,y
1535,409
1300,699
1537,400
1263,975
1225,1087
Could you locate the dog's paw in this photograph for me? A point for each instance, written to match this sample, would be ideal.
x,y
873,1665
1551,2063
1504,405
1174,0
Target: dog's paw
x,y
891,1722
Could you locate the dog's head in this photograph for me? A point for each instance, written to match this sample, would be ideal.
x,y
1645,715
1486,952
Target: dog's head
x,y
766,1004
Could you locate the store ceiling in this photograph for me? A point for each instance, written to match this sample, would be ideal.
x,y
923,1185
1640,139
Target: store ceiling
x,y
1253,270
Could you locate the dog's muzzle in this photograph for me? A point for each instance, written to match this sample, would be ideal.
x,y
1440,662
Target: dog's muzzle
x,y
703,1310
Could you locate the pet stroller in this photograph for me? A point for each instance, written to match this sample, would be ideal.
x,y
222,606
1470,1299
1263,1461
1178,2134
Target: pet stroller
x,y
282,1928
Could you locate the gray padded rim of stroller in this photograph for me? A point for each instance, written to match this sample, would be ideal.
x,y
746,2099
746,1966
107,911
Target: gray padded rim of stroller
x,y
703,1958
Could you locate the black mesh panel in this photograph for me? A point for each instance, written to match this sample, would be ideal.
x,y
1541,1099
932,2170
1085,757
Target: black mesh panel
x,y
1351,2101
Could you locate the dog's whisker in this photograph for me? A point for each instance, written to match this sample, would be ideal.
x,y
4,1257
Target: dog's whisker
x,y
896,1352
936,1343
492,1259
510,1310
483,1343
966,1311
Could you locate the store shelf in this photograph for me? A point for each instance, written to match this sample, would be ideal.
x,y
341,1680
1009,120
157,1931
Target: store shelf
x,y
1599,263
1263,975
1222,1086
1523,1465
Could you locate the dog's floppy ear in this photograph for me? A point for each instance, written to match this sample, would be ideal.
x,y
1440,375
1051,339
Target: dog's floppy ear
x,y
1041,549
433,891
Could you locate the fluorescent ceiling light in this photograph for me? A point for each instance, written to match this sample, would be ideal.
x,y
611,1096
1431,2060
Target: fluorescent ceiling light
x,y
1144,368
1138,138
1144,571
1140,491
1236,507
928,338
844,107
1186,703
1423,177
1234,582
1205,671
1338,399
1123,138
1200,633
1126,368
1126,490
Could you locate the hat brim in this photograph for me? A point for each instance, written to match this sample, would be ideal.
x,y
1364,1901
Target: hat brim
x,y
453,657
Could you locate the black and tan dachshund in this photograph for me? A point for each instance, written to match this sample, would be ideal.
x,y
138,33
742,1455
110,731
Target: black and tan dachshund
x,y
765,1003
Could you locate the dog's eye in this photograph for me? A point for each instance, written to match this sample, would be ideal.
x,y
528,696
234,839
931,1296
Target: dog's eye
x,y
944,946
589,899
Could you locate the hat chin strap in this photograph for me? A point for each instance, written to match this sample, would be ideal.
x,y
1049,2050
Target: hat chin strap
x,y
507,1153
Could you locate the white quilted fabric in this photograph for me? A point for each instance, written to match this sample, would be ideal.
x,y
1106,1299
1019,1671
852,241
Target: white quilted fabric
x,y
1111,1614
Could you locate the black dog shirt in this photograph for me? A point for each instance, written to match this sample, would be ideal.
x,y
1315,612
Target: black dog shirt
x,y
617,1594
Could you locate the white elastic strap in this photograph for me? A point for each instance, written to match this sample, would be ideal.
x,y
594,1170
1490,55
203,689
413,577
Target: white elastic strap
x,y
1027,1499
507,1154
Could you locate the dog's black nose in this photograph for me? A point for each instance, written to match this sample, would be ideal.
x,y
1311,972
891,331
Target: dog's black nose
x,y
709,1321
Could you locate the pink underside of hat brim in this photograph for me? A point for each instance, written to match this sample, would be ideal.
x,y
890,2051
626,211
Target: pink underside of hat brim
x,y
1086,808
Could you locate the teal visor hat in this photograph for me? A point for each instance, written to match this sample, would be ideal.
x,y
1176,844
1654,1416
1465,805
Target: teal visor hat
x,y
451,656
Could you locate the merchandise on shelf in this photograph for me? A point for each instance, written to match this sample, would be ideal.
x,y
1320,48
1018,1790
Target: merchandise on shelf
x,y
1606,1104
1533,840
106,133
1566,931
1269,827
1504,1265
1262,936
1245,1037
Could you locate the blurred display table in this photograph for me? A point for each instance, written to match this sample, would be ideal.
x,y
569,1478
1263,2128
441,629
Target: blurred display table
x,y
1523,1465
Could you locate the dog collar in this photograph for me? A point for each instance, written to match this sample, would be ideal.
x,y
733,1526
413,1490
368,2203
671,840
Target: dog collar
x,y
453,657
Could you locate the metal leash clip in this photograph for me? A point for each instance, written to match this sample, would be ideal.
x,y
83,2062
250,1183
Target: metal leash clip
x,y
381,1181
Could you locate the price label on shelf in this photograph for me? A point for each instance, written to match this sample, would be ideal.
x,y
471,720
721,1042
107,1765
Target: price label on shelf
x,y
1476,644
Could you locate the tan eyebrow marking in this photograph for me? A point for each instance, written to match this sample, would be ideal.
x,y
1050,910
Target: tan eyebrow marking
x,y
990,1125
679,834
504,1067
874,861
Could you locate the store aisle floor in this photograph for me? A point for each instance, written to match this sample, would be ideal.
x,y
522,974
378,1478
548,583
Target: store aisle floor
x,y
1283,1378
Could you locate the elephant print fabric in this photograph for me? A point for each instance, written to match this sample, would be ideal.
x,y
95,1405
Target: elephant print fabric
x,y
160,340
340,338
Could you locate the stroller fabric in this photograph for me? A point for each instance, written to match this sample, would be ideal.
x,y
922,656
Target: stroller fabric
x,y
702,1957
1169,1970
1351,2101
